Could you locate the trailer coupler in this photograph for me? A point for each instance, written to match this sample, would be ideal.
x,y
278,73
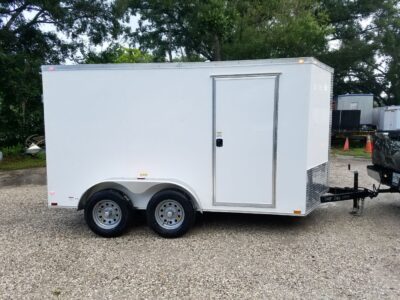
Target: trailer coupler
x,y
358,195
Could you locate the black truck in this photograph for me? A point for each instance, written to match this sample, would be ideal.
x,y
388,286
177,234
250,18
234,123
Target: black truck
x,y
385,169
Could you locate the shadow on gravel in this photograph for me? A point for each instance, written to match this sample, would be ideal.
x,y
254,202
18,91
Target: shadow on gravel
x,y
249,220
214,219
36,176
206,222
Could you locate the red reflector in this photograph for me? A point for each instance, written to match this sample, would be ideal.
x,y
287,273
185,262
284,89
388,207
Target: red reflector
x,y
54,204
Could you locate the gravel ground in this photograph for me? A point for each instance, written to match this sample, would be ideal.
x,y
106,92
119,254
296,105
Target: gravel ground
x,y
35,176
50,253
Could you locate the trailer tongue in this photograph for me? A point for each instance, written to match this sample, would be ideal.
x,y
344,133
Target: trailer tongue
x,y
385,170
355,193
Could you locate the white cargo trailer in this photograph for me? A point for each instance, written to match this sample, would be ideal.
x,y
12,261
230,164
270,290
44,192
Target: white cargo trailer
x,y
387,118
176,138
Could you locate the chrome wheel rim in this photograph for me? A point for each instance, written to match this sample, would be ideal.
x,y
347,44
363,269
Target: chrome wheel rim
x,y
169,214
107,214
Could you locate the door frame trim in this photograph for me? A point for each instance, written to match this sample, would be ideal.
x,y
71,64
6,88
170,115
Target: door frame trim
x,y
275,76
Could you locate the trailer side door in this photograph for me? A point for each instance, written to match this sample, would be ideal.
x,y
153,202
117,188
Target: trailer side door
x,y
245,139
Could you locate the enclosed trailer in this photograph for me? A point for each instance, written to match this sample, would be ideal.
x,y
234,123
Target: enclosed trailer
x,y
362,102
179,138
387,118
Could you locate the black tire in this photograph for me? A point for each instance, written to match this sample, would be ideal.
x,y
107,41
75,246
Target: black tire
x,y
122,213
185,204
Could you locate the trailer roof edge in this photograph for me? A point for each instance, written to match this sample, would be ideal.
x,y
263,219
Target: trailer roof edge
x,y
186,65
350,95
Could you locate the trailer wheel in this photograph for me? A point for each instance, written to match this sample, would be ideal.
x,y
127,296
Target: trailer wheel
x,y
107,213
170,213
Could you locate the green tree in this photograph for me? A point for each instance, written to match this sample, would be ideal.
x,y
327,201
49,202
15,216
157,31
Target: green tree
x,y
366,56
29,37
269,29
387,39
229,29
118,54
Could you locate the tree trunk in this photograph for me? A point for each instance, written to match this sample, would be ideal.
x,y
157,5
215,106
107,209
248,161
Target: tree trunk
x,y
217,49
169,55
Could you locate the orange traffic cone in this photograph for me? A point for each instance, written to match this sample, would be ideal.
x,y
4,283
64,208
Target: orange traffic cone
x,y
346,146
368,145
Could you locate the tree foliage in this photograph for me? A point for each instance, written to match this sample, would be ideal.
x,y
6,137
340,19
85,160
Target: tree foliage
x,y
118,54
229,29
367,56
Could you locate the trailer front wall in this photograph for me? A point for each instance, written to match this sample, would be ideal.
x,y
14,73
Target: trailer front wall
x,y
157,121
317,139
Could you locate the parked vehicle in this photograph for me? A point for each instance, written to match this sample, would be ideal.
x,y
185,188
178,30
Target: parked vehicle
x,y
386,159
174,139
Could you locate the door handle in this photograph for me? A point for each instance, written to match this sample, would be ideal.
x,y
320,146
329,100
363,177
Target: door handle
x,y
219,143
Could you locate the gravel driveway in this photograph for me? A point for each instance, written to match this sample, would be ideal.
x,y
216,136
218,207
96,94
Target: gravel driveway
x,y
50,253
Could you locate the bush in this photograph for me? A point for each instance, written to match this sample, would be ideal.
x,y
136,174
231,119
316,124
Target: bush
x,y
41,155
12,150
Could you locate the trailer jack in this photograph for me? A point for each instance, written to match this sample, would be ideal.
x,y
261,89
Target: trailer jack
x,y
358,195
358,207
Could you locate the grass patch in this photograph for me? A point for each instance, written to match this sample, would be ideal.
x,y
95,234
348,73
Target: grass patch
x,y
356,152
17,162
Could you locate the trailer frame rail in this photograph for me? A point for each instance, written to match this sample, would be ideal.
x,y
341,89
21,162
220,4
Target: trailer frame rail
x,y
355,193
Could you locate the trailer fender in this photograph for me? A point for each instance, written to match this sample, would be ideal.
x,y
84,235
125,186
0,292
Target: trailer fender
x,y
140,191
105,185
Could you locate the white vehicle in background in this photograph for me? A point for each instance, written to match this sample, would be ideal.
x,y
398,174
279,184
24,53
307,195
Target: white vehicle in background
x,y
387,118
179,138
